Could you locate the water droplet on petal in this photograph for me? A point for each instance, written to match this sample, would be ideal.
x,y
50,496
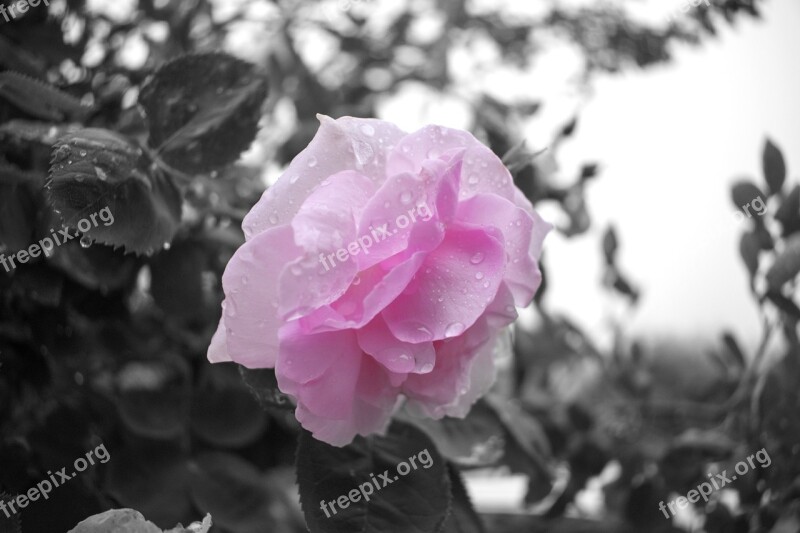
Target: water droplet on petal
x,y
406,148
167,246
479,275
85,241
406,198
273,218
426,368
473,180
356,280
486,284
294,179
363,152
477,258
454,329
312,161
296,270
440,299
426,333
367,130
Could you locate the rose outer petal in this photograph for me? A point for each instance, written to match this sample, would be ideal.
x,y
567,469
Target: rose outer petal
x,y
345,144
249,324
482,172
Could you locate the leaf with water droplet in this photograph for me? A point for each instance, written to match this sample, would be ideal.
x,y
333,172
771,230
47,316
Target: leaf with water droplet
x,y
134,205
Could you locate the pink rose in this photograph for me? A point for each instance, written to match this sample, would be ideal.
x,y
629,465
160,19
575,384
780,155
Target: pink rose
x,y
381,264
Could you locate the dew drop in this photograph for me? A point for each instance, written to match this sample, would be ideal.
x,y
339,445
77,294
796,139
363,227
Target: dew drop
x,y
85,241
367,130
479,275
454,329
440,299
406,198
245,280
473,179
477,258
83,153
518,223
426,368
167,246
356,280
273,218
363,152
486,284
426,333
296,270
312,161
294,179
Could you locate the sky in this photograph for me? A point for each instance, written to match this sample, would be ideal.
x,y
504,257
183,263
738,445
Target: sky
x,y
670,140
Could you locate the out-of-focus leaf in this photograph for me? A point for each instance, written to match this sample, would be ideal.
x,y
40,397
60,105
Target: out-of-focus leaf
x,y
786,265
264,386
610,245
783,303
224,413
177,280
17,217
12,523
97,268
203,110
774,167
154,398
477,440
734,349
154,480
788,213
748,249
98,172
417,501
233,492
39,99
743,192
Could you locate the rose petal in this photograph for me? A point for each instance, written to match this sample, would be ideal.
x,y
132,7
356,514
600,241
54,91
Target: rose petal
x,y
521,235
439,392
482,172
250,283
452,288
345,144
397,356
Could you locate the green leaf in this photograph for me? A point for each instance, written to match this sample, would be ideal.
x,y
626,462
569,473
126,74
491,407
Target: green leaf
x,y
233,492
786,265
203,110
774,167
417,501
743,192
98,172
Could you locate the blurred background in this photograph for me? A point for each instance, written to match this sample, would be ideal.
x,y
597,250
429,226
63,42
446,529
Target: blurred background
x,y
663,342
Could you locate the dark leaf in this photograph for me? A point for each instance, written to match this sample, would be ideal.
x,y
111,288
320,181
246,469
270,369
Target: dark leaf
x,y
98,172
154,480
264,386
177,280
233,492
117,520
774,167
224,413
788,213
610,245
743,192
203,110
462,517
784,304
417,501
786,265
748,249
39,99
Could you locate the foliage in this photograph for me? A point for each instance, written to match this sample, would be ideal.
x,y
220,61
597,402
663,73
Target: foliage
x,y
105,340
